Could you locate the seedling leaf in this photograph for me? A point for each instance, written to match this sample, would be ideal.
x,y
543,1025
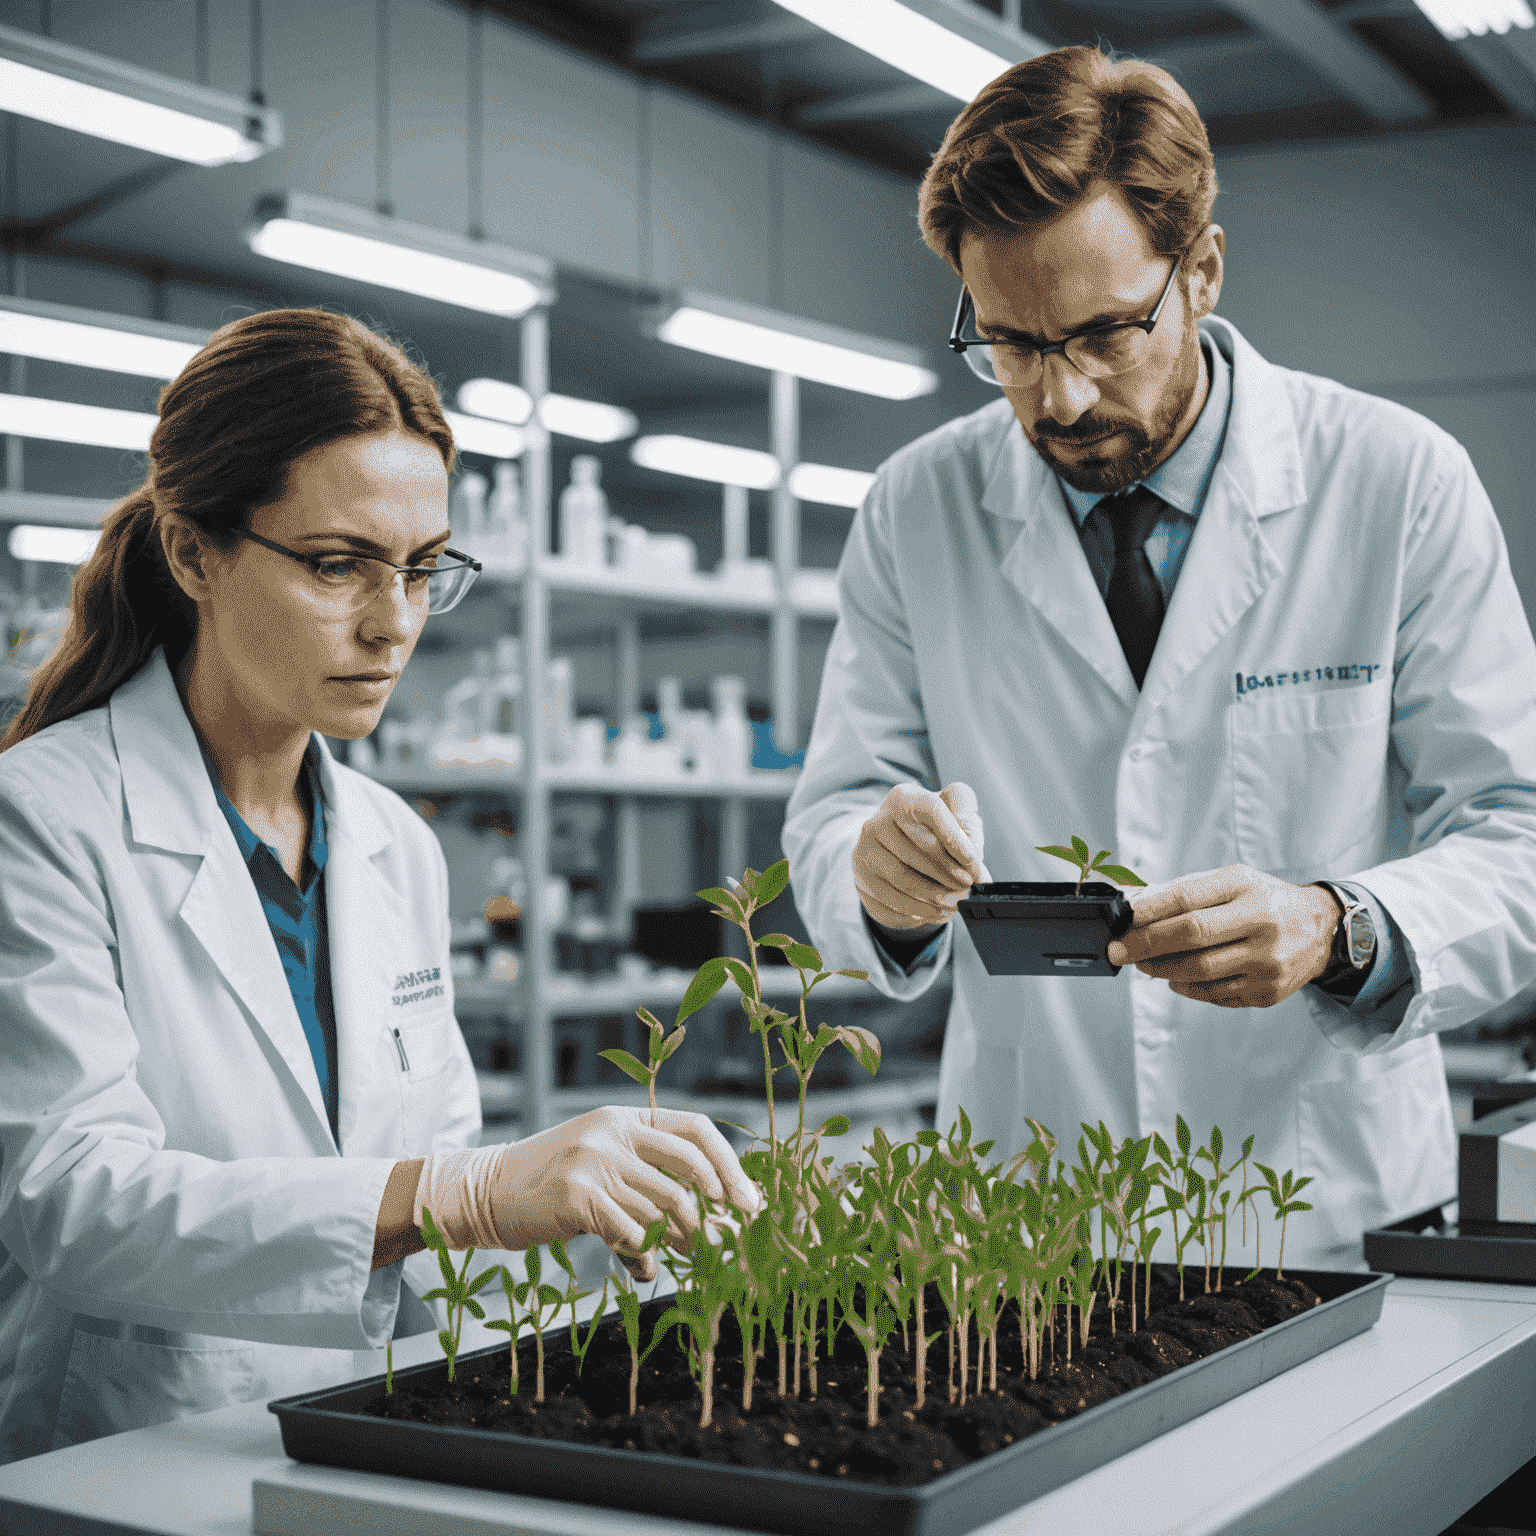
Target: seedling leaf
x,y
1080,848
674,1040
777,940
772,882
707,981
837,1126
730,903
1119,874
627,1063
856,975
802,957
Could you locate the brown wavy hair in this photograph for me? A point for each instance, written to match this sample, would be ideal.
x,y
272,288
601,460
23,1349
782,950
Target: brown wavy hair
x,y
1034,142
265,390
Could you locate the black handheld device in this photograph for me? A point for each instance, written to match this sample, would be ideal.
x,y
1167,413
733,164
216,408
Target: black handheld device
x,y
1045,928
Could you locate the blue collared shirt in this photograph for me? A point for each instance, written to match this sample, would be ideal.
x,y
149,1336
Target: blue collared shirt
x,y
297,920
1181,481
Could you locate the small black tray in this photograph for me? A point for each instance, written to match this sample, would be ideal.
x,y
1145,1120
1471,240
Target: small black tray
x,y
325,1427
1045,928
1431,1246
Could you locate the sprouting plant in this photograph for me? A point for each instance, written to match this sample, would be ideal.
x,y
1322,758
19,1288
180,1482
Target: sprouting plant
x,y
571,1297
454,1291
1077,856
629,1313
512,1324
1281,1191
661,1046
541,1298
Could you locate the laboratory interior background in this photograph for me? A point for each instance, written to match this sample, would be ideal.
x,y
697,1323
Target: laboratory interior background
x,y
694,227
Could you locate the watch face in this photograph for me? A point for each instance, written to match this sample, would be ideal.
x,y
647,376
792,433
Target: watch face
x,y
1362,938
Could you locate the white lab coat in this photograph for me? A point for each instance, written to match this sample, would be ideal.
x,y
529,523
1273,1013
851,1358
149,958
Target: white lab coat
x,y
178,1231
1339,530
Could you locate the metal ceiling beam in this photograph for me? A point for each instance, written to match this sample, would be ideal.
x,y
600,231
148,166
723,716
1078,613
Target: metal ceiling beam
x,y
724,36
1358,73
871,106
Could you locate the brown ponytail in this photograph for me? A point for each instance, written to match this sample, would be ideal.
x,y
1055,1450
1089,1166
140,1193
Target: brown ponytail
x,y
264,391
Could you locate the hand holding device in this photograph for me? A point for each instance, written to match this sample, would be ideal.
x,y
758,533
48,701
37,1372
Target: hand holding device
x,y
600,1172
918,855
1236,937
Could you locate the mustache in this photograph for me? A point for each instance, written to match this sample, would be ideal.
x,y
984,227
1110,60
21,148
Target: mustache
x,y
1082,437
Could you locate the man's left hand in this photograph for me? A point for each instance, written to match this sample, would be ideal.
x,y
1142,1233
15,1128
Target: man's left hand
x,y
1235,937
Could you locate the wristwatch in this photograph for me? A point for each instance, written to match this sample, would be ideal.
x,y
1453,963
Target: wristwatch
x,y
1354,940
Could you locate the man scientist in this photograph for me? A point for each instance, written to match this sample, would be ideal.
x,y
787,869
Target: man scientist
x,y
1213,614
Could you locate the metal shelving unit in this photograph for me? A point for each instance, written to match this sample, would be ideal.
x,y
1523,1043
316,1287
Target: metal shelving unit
x,y
540,994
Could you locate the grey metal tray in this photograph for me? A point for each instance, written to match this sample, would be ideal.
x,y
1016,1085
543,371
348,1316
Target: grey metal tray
x,y
1431,1245
325,1427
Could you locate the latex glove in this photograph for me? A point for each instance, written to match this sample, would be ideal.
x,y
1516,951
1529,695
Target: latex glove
x,y
600,1172
918,855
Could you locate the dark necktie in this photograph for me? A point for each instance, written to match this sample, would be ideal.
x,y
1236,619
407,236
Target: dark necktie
x,y
1135,597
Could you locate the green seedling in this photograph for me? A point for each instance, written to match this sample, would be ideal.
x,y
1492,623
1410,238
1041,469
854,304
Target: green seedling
x,y
541,1298
512,1324
454,1290
661,1046
571,1297
629,1312
1281,1191
1077,856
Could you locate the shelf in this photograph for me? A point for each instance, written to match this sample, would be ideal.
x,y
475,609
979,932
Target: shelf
x,y
501,1096
761,784
568,997
813,591
1482,1061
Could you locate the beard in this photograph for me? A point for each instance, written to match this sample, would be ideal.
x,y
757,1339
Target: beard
x,y
1147,445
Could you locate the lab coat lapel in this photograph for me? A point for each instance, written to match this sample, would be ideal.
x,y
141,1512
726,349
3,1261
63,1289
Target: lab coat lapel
x,y
1046,561
170,804
1229,563
365,915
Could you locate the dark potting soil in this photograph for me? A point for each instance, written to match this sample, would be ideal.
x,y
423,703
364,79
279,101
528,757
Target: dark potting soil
x,y
829,1434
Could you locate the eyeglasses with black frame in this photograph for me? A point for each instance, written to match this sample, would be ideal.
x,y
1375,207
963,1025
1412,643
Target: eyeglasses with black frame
x,y
352,581
1097,351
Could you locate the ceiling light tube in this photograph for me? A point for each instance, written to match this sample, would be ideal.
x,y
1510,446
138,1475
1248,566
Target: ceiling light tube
x,y
943,43
495,439
765,338
90,93
827,486
62,421
88,338
590,420
1456,18
701,460
57,546
561,414
348,241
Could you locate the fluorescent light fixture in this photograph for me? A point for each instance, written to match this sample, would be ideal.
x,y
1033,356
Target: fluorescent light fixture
x,y
90,339
707,461
1456,18
587,419
497,399
61,421
940,42
348,241
58,546
108,99
831,487
787,344
495,439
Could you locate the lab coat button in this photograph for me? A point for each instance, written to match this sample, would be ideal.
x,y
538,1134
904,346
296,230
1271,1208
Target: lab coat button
x,y
1134,755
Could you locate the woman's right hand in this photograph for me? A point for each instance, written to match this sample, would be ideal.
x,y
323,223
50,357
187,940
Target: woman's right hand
x,y
602,1172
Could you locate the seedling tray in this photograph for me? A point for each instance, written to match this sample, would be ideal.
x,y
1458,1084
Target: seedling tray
x,y
327,1428
1432,1246
1046,927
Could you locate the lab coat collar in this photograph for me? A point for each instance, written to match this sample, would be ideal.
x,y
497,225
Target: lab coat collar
x,y
1228,565
171,805
170,799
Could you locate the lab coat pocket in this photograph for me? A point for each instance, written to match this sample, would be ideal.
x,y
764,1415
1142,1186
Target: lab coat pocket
x,y
424,1047
122,1379
1378,1139
1309,777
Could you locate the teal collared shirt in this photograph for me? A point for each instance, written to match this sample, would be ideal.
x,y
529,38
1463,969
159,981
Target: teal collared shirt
x,y
1181,481
297,919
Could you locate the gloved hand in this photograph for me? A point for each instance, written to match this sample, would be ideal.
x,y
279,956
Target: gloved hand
x,y
918,855
599,1172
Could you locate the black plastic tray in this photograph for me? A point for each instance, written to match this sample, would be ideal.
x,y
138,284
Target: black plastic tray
x,y
1431,1246
1045,928
325,1427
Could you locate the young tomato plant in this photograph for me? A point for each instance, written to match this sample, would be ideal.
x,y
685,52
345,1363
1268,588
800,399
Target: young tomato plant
x,y
453,1290
1077,856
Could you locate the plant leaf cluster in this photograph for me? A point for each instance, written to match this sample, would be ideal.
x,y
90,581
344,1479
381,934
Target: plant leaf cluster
x,y
859,1246
1077,856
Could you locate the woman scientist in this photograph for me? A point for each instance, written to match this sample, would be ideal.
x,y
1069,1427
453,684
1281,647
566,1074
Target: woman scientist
x,y
232,1072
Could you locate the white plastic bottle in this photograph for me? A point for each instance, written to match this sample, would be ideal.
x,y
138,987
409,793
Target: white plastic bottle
x,y
559,710
733,731
506,531
466,519
584,514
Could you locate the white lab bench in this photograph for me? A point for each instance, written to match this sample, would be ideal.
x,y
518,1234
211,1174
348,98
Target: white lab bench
x,y
1398,1430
